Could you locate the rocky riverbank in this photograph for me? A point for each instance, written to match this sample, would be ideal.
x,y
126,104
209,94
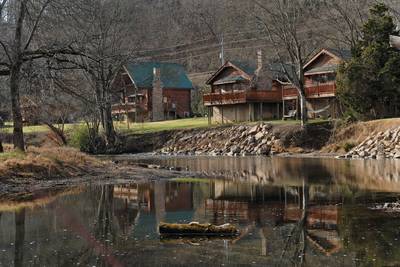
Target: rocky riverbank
x,y
380,145
245,140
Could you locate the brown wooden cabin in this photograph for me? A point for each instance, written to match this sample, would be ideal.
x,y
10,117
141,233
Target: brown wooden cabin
x,y
152,91
245,92
320,85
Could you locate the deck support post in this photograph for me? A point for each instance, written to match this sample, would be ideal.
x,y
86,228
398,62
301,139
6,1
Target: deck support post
x,y
283,109
278,110
251,112
209,116
236,112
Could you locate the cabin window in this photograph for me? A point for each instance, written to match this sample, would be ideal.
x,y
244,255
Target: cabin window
x,y
236,87
324,78
228,87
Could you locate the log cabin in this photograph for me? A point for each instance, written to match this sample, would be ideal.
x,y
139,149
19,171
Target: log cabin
x,y
152,91
320,85
241,91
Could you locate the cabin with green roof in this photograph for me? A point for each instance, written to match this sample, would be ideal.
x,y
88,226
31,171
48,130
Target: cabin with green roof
x,y
152,91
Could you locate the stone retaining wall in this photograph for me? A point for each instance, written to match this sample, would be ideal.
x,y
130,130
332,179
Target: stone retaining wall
x,y
378,146
231,141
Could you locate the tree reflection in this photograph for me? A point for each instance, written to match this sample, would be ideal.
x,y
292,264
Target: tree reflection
x,y
105,212
19,237
297,239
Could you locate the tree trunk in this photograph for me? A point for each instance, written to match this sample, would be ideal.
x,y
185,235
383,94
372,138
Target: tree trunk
x,y
1,146
303,109
108,124
15,71
18,134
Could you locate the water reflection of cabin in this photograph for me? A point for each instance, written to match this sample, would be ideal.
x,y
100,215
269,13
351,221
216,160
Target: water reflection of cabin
x,y
247,92
279,206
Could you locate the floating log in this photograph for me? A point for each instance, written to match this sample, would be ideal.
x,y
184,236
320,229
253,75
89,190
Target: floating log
x,y
197,229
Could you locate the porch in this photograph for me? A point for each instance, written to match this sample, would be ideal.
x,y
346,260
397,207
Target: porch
x,y
242,97
314,91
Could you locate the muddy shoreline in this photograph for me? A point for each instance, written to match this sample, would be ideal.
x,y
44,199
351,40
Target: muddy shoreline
x,y
19,188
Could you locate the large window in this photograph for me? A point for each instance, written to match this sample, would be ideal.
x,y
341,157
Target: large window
x,y
323,78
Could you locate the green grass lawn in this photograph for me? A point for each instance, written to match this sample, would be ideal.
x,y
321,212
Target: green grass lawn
x,y
34,128
148,127
11,155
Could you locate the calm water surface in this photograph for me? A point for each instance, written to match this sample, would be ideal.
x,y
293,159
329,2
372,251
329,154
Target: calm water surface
x,y
290,212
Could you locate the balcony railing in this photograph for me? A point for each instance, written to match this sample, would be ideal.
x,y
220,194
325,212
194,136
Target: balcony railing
x,y
321,90
240,97
122,108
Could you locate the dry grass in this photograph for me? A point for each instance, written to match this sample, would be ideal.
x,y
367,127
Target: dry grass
x,y
48,163
355,133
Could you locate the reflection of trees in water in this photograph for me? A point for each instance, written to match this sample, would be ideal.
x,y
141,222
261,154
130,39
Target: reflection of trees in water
x,y
19,237
296,242
105,213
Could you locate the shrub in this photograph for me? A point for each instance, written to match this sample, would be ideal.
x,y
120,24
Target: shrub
x,y
80,138
348,146
87,140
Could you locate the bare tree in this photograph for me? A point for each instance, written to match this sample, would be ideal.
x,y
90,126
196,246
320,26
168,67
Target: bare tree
x,y
345,19
103,31
25,39
293,39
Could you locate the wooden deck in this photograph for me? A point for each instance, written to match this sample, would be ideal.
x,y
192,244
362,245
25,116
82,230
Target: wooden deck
x,y
123,108
318,91
241,97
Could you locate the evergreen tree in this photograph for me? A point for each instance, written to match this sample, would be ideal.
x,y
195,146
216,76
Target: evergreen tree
x,y
368,85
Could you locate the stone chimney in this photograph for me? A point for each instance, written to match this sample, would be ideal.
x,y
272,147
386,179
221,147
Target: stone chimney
x,y
157,96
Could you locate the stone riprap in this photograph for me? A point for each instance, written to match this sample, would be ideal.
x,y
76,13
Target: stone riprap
x,y
241,140
379,145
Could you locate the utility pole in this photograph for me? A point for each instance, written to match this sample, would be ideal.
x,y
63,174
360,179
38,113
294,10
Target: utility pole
x,y
222,54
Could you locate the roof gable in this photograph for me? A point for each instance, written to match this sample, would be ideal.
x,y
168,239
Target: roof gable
x,y
244,72
327,60
172,75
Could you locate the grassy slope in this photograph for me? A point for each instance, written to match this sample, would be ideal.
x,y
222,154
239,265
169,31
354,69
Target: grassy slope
x,y
11,155
146,127
45,163
193,123
35,128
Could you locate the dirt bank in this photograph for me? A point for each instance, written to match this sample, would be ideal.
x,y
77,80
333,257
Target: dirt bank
x,y
57,168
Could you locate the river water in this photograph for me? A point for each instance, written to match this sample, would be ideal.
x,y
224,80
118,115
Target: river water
x,y
315,212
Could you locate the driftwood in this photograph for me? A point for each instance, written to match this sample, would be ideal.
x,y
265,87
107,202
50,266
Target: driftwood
x,y
197,229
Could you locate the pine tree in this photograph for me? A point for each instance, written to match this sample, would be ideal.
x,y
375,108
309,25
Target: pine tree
x,y
368,85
